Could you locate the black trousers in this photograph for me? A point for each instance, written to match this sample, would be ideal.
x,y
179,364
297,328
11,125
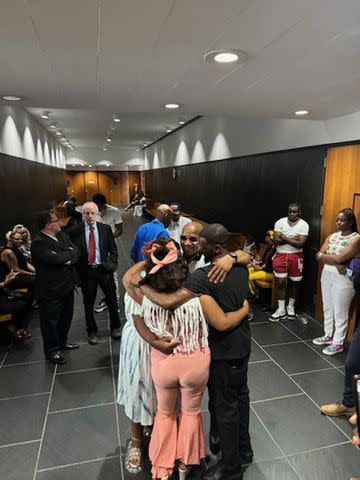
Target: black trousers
x,y
89,285
352,367
55,320
229,408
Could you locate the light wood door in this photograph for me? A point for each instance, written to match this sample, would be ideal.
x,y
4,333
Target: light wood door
x,y
91,185
76,185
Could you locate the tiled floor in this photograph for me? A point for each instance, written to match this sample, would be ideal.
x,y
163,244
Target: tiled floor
x,y
63,423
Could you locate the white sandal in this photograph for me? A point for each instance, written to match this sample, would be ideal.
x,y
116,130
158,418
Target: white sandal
x,y
133,454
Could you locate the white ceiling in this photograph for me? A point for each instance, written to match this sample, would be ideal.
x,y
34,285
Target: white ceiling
x,y
85,60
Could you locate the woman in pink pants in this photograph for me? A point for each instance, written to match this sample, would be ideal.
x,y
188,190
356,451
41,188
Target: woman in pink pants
x,y
183,373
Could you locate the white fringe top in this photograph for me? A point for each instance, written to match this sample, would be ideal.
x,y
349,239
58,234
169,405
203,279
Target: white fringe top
x,y
186,323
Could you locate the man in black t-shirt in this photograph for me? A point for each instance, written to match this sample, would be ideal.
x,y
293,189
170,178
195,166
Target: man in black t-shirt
x,y
230,351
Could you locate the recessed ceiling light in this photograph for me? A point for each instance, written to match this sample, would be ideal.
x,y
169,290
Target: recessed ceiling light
x,y
59,133
90,165
52,125
181,122
116,119
301,112
137,150
168,130
108,139
12,98
45,115
226,56
172,106
105,148
73,165
145,145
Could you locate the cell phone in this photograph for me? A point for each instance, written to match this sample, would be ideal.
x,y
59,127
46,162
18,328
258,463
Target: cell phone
x,y
356,383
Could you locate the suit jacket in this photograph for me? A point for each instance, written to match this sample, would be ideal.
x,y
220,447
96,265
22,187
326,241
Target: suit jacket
x,y
107,246
54,264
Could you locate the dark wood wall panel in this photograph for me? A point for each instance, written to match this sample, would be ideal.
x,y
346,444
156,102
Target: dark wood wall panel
x,y
249,194
26,188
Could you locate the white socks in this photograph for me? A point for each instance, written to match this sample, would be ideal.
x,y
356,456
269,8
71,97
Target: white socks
x,y
292,302
281,305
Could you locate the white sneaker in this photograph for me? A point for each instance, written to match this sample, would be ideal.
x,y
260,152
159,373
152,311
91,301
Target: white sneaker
x,y
278,315
290,312
322,340
333,349
100,307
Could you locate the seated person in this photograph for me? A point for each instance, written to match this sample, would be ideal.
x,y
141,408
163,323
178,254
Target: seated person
x,y
26,239
255,259
136,200
17,304
263,270
14,259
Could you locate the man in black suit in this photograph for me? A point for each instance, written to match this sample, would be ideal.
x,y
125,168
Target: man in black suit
x,y
98,262
53,255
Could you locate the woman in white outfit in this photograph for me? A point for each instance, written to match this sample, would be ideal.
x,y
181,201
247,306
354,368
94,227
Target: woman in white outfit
x,y
337,286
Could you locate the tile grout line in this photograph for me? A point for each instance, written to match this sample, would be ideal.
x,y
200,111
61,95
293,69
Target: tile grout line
x,y
348,442
281,343
81,408
24,396
115,402
84,370
308,396
260,361
277,398
45,423
311,371
76,463
20,443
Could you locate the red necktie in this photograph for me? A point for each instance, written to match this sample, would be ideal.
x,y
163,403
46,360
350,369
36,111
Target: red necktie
x,y
92,246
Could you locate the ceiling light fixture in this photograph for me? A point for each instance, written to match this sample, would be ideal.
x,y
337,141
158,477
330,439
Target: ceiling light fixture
x,y
105,148
90,166
226,56
168,130
145,145
116,119
108,139
73,165
12,98
181,122
301,112
137,150
172,106
45,115
59,132
52,125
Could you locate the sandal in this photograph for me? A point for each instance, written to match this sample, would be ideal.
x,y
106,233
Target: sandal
x,y
133,458
25,334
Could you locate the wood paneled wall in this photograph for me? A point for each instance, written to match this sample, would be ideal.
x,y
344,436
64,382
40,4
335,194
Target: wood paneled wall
x,y
342,183
26,188
116,186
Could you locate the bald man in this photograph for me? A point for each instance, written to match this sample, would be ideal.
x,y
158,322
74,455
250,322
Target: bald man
x,y
190,245
151,231
98,262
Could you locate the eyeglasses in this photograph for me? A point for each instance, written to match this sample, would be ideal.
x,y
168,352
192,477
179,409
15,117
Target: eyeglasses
x,y
183,238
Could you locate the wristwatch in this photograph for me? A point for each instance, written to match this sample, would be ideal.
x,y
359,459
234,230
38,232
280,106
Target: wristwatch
x,y
233,256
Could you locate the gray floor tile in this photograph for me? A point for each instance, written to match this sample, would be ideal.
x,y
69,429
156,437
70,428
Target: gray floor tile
x,y
257,354
82,389
334,463
305,332
22,419
285,420
78,331
25,379
274,470
18,462
296,358
87,356
79,435
30,350
259,315
267,380
107,469
267,334
262,444
337,360
321,386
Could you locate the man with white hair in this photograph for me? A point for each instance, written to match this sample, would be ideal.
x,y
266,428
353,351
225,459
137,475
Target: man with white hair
x,y
98,262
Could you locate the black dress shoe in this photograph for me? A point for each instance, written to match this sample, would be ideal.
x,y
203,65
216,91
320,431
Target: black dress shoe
x,y
92,339
116,333
214,444
57,359
70,346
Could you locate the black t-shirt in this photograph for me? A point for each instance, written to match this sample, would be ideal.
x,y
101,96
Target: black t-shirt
x,y
230,295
